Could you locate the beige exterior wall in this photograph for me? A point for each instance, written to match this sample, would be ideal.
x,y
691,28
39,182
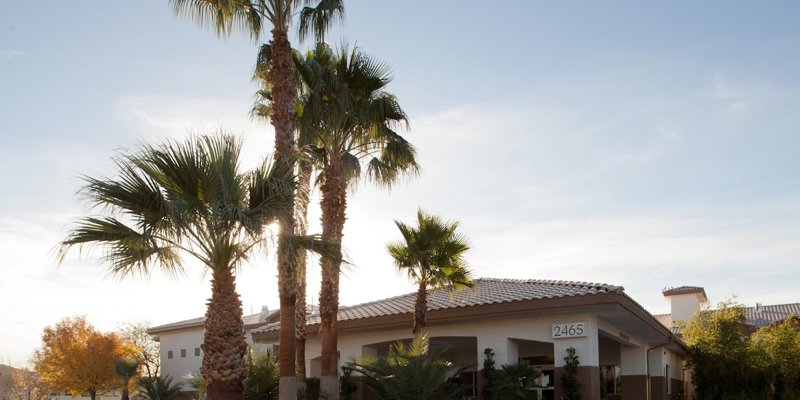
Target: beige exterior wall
x,y
188,339
500,335
682,306
179,367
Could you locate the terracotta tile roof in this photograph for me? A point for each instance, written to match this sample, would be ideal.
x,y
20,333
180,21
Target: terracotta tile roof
x,y
664,319
250,321
758,316
762,315
683,290
485,291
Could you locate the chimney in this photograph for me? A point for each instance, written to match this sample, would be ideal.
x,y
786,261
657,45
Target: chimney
x,y
262,317
684,301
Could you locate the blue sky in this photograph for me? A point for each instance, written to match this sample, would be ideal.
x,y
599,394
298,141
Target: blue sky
x,y
644,145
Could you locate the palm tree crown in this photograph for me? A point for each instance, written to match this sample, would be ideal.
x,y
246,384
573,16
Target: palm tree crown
x,y
127,370
189,198
432,254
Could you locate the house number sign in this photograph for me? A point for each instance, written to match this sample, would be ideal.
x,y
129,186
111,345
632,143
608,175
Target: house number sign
x,y
568,330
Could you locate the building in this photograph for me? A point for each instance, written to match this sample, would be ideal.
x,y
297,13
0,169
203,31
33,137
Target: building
x,y
522,320
180,351
637,354
685,300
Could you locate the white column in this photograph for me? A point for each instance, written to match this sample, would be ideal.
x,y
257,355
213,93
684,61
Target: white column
x,y
505,350
634,360
586,347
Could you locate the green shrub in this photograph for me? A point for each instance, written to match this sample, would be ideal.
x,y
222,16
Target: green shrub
x,y
516,382
410,373
263,377
569,381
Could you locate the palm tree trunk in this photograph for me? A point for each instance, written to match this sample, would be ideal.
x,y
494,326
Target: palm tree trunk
x,y
224,346
334,204
283,120
301,216
420,307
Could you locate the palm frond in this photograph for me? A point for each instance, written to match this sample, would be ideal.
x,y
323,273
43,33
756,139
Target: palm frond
x,y
319,19
223,16
128,251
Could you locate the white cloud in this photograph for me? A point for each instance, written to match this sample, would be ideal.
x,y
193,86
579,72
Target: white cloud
x,y
11,54
153,118
738,96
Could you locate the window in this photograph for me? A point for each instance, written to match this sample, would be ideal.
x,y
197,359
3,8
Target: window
x,y
197,352
611,378
183,353
666,378
169,354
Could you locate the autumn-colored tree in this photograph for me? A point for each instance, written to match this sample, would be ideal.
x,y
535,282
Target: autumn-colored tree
x,y
21,384
78,359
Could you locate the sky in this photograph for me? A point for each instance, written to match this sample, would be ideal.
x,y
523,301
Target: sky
x,y
631,143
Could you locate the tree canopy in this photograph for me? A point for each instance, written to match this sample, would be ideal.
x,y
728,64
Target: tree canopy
x,y
78,359
728,363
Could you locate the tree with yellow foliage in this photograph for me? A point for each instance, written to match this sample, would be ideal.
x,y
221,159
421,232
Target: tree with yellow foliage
x,y
78,359
21,384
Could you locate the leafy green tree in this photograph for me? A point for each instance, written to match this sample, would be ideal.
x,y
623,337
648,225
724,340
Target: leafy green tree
x,y
411,373
432,254
252,16
191,198
158,388
723,360
127,370
779,348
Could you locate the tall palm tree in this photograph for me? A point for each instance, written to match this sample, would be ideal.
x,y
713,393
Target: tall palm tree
x,y
432,254
347,119
262,109
190,198
126,369
251,16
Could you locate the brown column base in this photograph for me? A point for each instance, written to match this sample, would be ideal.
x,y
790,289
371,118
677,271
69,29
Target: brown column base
x,y
633,387
588,376
658,390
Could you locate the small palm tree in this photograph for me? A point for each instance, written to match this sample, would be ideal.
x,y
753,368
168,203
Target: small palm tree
x,y
190,198
158,388
411,373
127,370
432,256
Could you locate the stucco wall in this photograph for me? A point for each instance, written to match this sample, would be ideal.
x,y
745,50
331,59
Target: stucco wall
x,y
499,335
189,339
179,367
682,306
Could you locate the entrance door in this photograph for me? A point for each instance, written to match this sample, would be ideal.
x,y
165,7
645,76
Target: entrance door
x,y
547,381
